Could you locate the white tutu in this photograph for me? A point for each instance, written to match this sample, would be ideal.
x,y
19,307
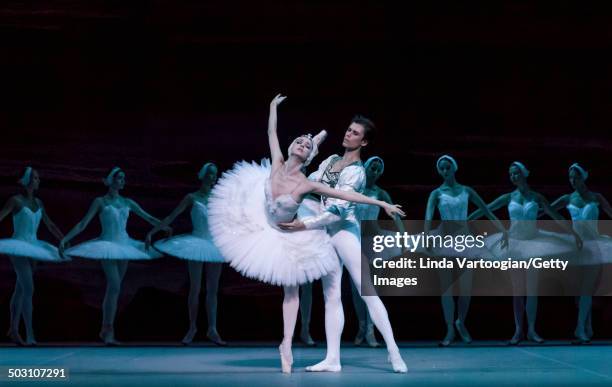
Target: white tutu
x,y
103,249
190,247
242,220
35,249
544,244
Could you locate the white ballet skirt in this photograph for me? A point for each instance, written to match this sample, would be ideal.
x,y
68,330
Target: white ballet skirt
x,y
370,212
198,245
525,240
453,214
114,242
597,248
243,220
24,242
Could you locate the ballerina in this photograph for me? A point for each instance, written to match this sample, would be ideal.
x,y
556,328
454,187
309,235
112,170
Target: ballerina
x,y
247,204
345,173
197,249
583,206
23,247
452,199
114,247
527,241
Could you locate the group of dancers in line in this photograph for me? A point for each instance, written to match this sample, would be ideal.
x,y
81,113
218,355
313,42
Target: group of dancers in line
x,y
262,220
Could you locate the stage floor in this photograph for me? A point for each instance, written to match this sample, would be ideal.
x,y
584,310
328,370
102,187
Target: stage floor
x,y
479,364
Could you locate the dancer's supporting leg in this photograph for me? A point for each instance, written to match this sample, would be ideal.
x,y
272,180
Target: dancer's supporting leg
x,y
518,305
463,304
532,306
334,322
291,304
213,274
193,300
349,250
305,313
114,270
448,305
21,301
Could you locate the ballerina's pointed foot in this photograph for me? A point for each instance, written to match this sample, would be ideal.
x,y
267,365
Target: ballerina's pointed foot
x,y
463,332
286,358
398,363
307,340
450,337
108,337
325,366
517,338
188,339
30,342
15,338
533,336
216,338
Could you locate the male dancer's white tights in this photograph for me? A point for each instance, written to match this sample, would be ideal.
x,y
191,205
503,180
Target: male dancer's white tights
x,y
348,248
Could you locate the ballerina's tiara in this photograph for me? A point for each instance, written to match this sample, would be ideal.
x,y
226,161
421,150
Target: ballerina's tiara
x,y
109,179
522,167
450,159
583,172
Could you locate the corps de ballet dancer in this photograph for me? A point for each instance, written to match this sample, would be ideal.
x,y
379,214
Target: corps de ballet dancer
x,y
114,247
248,203
345,174
584,207
23,248
197,249
452,200
526,240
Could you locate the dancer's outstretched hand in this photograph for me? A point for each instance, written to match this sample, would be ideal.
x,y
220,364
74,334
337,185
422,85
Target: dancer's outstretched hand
x,y
277,100
296,225
394,209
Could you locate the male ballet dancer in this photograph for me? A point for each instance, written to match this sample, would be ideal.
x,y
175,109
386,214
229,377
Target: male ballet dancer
x,y
338,216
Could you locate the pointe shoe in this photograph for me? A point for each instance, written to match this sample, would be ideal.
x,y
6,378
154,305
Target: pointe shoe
x,y
324,366
581,337
215,338
397,363
188,339
517,338
450,337
463,332
370,338
532,336
15,338
307,340
286,360
30,343
108,337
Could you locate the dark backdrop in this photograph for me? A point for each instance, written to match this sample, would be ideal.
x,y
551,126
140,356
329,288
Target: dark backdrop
x,y
160,87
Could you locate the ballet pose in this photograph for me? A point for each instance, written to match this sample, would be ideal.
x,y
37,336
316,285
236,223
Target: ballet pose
x,y
583,206
527,241
374,168
245,208
345,174
452,199
114,247
197,249
23,248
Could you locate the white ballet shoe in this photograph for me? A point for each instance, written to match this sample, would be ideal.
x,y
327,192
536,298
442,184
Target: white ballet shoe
x,y
286,359
397,363
325,366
